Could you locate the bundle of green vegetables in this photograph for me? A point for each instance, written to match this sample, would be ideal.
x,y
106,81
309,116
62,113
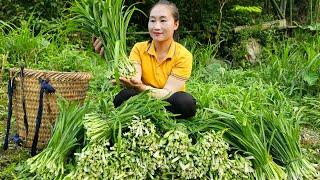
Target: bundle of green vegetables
x,y
67,135
101,126
141,153
262,122
283,126
137,140
108,20
133,155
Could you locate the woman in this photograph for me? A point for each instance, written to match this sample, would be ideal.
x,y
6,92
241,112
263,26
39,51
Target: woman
x,y
163,65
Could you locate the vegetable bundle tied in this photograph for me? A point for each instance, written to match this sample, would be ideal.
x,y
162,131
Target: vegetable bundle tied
x,y
143,153
103,126
109,21
263,123
67,134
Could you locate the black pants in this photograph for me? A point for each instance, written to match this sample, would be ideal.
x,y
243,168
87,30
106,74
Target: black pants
x,y
181,102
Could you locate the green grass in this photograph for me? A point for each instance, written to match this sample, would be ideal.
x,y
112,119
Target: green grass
x,y
3,108
9,159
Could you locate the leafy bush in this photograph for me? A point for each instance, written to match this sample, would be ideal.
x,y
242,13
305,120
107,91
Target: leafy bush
x,y
294,65
14,10
22,46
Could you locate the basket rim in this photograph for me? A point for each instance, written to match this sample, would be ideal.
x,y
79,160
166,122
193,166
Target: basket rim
x,y
34,73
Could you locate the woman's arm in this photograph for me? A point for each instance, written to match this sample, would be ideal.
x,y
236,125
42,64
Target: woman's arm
x,y
173,85
138,75
180,73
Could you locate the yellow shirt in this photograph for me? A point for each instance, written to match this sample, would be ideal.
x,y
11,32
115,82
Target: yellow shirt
x,y
177,63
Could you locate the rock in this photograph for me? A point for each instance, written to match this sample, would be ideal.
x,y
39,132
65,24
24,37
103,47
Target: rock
x,y
309,137
253,51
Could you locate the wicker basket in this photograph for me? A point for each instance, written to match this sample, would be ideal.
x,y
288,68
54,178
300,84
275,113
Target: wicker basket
x,y
70,85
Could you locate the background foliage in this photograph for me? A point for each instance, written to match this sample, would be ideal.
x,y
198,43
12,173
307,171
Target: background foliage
x,y
203,17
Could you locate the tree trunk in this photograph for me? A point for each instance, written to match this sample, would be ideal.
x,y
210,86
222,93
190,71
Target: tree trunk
x,y
311,12
277,9
291,9
277,24
317,8
302,14
283,7
222,3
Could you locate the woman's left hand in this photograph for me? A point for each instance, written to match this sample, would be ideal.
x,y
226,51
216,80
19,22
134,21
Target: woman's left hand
x,y
133,83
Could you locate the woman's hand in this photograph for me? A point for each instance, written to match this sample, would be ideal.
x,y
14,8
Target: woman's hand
x,y
133,83
97,44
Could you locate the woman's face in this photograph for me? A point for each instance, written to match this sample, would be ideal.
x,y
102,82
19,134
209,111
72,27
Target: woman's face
x,y
161,24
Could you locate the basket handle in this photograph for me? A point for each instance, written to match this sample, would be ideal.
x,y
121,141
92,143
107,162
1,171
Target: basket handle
x,y
44,87
10,94
23,99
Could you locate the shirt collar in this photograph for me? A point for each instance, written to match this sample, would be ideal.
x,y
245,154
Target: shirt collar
x,y
152,50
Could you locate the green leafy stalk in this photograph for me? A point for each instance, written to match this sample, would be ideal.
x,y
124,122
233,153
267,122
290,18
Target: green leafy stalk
x,y
283,126
67,133
100,127
109,21
246,138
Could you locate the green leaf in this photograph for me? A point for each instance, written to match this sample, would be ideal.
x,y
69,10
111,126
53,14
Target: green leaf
x,y
311,78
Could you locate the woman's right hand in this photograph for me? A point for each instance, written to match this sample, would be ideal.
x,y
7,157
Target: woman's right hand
x,y
134,83
97,44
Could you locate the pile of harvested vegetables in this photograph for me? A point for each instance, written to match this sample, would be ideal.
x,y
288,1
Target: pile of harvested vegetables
x,y
138,140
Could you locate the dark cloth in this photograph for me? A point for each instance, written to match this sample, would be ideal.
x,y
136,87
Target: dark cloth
x,y
181,103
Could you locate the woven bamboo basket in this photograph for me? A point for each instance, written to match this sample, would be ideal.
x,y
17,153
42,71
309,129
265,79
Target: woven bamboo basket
x,y
70,85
